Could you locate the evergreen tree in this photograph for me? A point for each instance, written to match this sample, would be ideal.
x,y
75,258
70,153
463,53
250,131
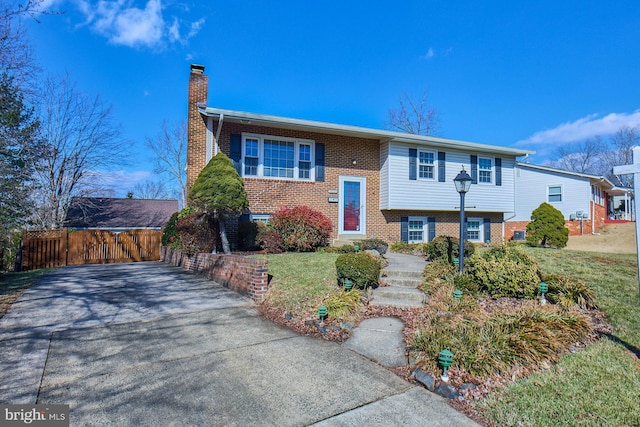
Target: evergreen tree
x,y
219,191
547,227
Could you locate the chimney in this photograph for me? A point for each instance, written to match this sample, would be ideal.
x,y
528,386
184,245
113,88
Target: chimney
x,y
196,126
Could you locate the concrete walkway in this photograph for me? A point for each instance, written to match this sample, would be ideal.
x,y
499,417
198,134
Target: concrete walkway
x,y
148,344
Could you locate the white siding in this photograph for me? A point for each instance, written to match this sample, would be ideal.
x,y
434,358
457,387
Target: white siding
x,y
531,191
384,176
422,194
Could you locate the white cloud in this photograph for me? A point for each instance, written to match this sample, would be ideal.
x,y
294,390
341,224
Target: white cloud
x,y
582,129
430,54
124,24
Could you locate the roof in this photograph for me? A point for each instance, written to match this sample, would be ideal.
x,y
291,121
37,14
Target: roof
x,y
105,212
347,130
594,179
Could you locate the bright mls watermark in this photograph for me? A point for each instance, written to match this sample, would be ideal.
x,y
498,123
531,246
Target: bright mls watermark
x,y
34,415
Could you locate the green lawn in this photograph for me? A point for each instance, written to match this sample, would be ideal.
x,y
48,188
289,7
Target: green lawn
x,y
598,386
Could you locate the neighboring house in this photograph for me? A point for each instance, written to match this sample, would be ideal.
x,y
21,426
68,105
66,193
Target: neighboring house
x,y
370,183
586,201
116,215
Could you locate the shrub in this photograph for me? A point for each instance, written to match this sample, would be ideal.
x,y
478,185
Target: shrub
x,y
170,234
344,249
344,305
361,268
197,232
505,271
447,247
374,244
250,235
302,229
567,292
272,242
437,271
547,228
407,248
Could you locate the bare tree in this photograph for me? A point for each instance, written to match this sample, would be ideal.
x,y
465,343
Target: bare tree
x,y
414,116
81,140
170,152
622,143
582,157
150,190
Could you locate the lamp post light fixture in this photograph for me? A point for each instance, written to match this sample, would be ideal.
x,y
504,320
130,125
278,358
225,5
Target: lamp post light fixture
x,y
463,184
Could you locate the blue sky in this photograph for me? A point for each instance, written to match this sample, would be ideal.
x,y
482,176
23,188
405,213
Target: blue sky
x,y
531,75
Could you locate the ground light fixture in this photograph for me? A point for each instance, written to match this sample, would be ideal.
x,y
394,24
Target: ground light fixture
x,y
462,182
322,312
446,359
356,248
457,295
543,288
348,285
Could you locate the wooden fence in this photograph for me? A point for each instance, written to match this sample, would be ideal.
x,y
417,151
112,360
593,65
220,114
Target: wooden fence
x,y
45,249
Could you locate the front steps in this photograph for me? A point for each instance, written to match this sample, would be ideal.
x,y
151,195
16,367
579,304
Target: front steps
x,y
403,276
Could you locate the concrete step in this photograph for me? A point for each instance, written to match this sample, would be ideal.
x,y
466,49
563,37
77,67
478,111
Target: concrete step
x,y
402,282
398,297
402,273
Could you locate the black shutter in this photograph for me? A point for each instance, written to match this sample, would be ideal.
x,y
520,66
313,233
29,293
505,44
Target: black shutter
x,y
498,171
441,166
404,229
235,153
319,162
487,230
431,222
474,169
413,161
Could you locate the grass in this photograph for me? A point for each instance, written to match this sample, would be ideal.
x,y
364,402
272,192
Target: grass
x,y
594,387
12,285
300,281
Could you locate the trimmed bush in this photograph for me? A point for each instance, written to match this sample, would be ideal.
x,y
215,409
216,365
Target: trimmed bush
x,y
447,247
302,229
437,271
505,271
547,228
567,292
170,234
361,268
272,242
374,244
407,248
197,232
344,249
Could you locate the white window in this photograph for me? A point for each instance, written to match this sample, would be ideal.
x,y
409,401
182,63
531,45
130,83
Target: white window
x,y
474,229
417,230
264,218
554,193
277,157
485,170
426,164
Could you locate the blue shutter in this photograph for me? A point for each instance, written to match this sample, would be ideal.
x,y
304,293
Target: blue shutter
x,y
441,166
404,229
487,230
413,161
235,153
431,222
474,169
498,171
319,162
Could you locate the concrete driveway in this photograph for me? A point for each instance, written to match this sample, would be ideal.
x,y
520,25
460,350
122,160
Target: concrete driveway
x,y
149,344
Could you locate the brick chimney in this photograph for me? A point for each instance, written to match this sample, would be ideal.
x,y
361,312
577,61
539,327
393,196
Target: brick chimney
x,y
196,126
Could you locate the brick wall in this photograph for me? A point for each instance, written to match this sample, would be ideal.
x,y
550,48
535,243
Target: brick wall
x,y
196,126
248,276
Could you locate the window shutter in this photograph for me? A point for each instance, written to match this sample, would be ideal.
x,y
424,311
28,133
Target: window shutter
x,y
487,230
474,169
413,161
235,153
431,222
498,171
319,162
441,166
404,229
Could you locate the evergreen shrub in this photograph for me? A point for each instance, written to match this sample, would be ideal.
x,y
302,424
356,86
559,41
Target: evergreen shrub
x,y
547,227
361,268
447,247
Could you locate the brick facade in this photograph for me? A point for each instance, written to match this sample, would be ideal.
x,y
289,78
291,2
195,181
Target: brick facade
x,y
197,129
248,276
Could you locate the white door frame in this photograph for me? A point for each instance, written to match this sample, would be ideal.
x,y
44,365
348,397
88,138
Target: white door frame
x,y
363,204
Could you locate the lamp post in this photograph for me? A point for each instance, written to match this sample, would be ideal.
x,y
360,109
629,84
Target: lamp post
x,y
463,184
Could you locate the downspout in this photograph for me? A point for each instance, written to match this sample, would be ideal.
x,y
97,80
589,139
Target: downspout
x,y
515,183
220,120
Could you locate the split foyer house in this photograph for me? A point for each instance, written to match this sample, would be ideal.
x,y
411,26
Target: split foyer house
x,y
370,183
585,200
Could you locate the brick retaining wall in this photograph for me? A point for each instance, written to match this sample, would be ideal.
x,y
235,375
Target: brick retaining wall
x,y
248,276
